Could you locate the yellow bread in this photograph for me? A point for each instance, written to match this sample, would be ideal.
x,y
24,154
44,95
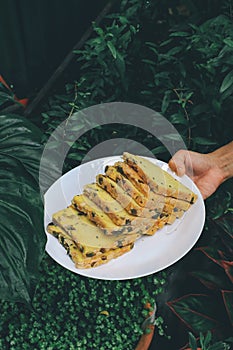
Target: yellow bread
x,y
154,205
127,202
85,260
119,215
100,218
86,234
111,207
159,180
176,204
126,170
126,185
140,191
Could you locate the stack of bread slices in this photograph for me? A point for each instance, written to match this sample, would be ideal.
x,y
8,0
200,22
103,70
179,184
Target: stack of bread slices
x,y
133,197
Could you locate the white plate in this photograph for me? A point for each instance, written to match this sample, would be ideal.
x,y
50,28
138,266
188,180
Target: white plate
x,y
150,253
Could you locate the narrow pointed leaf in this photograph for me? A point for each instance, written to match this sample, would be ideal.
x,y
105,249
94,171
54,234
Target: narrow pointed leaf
x,y
112,49
227,82
228,300
192,341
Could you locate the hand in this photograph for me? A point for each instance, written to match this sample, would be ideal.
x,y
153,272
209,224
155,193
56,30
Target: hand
x,y
203,169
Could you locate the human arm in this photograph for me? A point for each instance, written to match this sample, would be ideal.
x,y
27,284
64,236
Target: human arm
x,y
208,171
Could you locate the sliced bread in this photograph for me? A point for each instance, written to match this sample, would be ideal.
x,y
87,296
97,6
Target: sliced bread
x,y
86,259
86,234
159,180
127,202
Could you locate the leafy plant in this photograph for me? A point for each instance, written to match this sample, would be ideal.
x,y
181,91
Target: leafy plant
x,y
207,344
186,75
22,238
190,73
79,313
106,72
207,302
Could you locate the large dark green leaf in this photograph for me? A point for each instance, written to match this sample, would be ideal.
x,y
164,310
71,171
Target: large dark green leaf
x,y
22,237
212,253
21,140
226,224
196,311
217,256
214,279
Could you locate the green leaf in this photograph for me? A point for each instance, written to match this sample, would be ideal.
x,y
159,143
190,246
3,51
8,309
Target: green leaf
x,y
166,101
21,140
220,346
175,50
228,300
178,118
164,43
227,227
150,62
228,92
22,237
215,280
179,34
120,64
227,82
196,311
203,141
171,137
192,341
228,42
205,340
216,105
159,150
98,30
112,49
200,109
6,97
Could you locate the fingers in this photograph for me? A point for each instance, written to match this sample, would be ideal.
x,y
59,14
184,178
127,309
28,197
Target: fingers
x,y
177,163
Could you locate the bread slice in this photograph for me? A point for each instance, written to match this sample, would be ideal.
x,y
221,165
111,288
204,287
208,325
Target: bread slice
x,y
127,202
154,202
100,218
149,199
126,185
133,176
111,207
157,201
159,180
146,224
130,205
86,234
86,259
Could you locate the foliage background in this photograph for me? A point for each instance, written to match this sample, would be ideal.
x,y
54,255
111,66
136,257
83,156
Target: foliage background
x,y
174,57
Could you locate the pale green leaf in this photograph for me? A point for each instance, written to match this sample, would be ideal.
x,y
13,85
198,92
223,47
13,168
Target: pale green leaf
x,y
227,82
